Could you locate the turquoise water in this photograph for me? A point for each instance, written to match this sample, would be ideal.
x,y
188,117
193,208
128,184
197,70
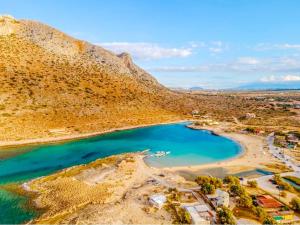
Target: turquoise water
x,y
13,209
187,147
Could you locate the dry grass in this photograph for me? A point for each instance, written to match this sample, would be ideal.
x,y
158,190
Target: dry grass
x,y
63,194
49,80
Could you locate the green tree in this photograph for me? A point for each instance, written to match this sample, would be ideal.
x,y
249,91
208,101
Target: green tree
x,y
252,183
217,182
284,185
245,201
231,180
259,212
207,179
236,190
225,216
277,178
202,180
295,203
208,188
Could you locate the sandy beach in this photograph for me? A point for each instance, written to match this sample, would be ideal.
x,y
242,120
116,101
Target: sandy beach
x,y
253,156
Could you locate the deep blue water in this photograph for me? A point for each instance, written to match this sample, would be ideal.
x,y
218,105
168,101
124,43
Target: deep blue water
x,y
187,147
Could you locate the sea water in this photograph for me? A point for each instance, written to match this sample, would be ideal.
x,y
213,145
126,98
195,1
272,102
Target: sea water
x,y
186,146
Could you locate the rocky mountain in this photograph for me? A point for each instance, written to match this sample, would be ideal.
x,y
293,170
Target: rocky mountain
x,y
52,84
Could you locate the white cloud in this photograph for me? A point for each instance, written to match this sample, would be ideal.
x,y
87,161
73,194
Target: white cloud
x,y
142,50
242,65
216,47
215,50
248,61
283,46
291,78
148,51
285,78
271,78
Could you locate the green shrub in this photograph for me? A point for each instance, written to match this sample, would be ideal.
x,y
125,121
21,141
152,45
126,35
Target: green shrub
x,y
225,216
231,180
295,203
236,190
245,201
252,183
208,188
207,179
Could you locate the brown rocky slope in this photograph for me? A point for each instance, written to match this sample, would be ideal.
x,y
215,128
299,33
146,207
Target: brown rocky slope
x,y
52,85
50,81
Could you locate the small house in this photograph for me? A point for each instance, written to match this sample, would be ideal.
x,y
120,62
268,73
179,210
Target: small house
x,y
157,200
269,203
220,198
200,214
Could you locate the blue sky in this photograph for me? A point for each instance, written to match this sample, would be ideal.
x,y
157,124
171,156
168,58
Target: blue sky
x,y
185,43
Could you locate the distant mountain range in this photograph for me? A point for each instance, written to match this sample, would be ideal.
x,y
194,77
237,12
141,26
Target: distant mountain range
x,y
196,88
270,86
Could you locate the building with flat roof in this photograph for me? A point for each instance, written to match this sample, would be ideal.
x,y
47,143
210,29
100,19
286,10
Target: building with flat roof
x,y
200,214
157,200
220,198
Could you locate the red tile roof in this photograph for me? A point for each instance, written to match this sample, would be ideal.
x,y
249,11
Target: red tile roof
x,y
267,201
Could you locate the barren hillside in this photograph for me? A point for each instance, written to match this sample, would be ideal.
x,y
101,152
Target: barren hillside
x,y
53,85
51,82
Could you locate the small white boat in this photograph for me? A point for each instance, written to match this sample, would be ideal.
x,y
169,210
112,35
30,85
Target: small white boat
x,y
161,153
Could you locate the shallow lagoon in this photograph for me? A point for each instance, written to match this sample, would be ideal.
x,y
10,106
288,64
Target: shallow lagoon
x,y
187,147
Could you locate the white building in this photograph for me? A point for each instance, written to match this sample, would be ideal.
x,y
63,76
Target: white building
x,y
220,198
199,214
157,200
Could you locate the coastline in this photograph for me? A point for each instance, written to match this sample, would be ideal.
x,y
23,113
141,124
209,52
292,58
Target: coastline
x,y
242,161
48,140
239,161
252,156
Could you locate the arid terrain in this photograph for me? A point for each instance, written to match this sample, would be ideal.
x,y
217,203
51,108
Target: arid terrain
x,y
54,85
111,190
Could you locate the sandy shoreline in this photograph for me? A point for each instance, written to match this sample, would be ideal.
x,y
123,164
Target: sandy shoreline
x,y
252,156
71,137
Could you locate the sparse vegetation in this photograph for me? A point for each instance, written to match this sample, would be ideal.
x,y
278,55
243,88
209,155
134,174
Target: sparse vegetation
x,y
230,180
208,184
252,183
295,203
225,216
282,184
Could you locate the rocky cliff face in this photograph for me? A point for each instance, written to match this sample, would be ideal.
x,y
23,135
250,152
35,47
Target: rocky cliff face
x,y
49,80
7,25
